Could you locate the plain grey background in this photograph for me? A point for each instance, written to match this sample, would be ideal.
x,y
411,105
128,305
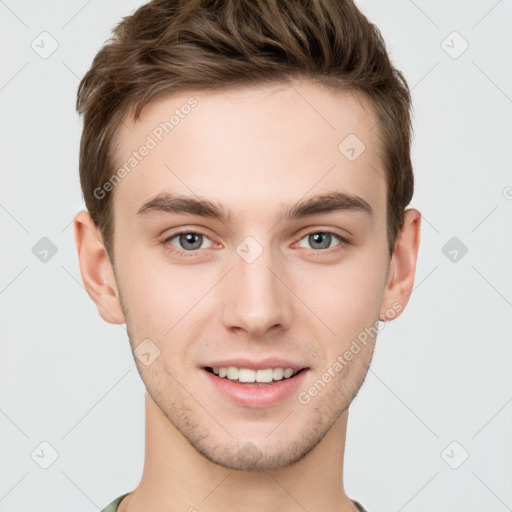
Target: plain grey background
x,y
430,428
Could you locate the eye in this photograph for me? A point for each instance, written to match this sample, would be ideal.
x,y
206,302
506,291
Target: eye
x,y
188,242
323,239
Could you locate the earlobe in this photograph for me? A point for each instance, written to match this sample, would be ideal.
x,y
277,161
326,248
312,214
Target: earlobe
x,y
402,267
96,269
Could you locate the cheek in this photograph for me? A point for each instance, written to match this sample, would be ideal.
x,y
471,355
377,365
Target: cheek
x,y
347,297
158,294
146,293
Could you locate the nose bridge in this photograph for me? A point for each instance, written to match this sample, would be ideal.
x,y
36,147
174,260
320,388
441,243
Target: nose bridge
x,y
256,298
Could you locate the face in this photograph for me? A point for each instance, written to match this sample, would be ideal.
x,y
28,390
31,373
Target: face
x,y
257,279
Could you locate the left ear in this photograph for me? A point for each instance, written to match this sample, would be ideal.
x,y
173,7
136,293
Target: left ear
x,y
402,267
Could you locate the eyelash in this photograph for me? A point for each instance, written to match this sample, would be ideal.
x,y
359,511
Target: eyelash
x,y
173,250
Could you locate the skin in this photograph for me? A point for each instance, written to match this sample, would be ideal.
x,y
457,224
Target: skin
x,y
256,151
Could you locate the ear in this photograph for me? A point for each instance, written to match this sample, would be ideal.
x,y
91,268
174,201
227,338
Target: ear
x,y
402,267
96,270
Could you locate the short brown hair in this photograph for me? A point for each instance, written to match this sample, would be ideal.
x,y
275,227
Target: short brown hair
x,y
170,46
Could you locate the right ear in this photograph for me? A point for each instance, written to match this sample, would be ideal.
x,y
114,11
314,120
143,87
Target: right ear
x,y
96,270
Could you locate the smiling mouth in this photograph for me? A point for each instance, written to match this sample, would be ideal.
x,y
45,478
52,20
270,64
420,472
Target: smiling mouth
x,y
209,369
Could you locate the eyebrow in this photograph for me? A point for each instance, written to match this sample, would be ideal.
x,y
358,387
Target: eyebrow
x,y
322,204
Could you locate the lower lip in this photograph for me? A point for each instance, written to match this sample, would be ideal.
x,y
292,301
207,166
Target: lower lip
x,y
256,396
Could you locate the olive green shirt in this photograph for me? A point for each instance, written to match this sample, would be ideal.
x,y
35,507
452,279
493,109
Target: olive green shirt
x,y
113,506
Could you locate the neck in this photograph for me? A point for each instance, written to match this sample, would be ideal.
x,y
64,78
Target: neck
x,y
176,477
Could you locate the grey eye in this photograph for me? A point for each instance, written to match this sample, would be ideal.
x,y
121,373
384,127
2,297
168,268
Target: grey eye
x,y
189,241
320,239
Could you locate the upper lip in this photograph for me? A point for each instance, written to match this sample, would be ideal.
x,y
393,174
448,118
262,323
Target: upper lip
x,y
270,362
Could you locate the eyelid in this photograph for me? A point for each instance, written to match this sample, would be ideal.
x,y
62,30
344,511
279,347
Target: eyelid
x,y
344,235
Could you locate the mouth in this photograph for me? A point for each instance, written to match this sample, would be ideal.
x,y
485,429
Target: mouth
x,y
253,378
243,386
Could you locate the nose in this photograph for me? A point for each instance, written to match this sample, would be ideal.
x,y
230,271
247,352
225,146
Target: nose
x,y
256,298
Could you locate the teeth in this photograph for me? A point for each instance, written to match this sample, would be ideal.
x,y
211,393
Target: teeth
x,y
288,372
248,375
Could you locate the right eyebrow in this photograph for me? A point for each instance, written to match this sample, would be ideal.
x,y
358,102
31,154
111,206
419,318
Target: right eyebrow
x,y
176,204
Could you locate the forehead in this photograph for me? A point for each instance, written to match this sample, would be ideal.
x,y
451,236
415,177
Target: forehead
x,y
256,146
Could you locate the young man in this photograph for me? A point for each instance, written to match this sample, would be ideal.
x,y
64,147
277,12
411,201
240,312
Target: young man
x,y
246,168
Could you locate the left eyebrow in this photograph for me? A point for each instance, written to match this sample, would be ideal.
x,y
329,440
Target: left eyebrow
x,y
323,204
328,203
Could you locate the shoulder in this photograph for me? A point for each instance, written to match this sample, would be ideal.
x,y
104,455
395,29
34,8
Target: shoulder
x,y
112,507
359,506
